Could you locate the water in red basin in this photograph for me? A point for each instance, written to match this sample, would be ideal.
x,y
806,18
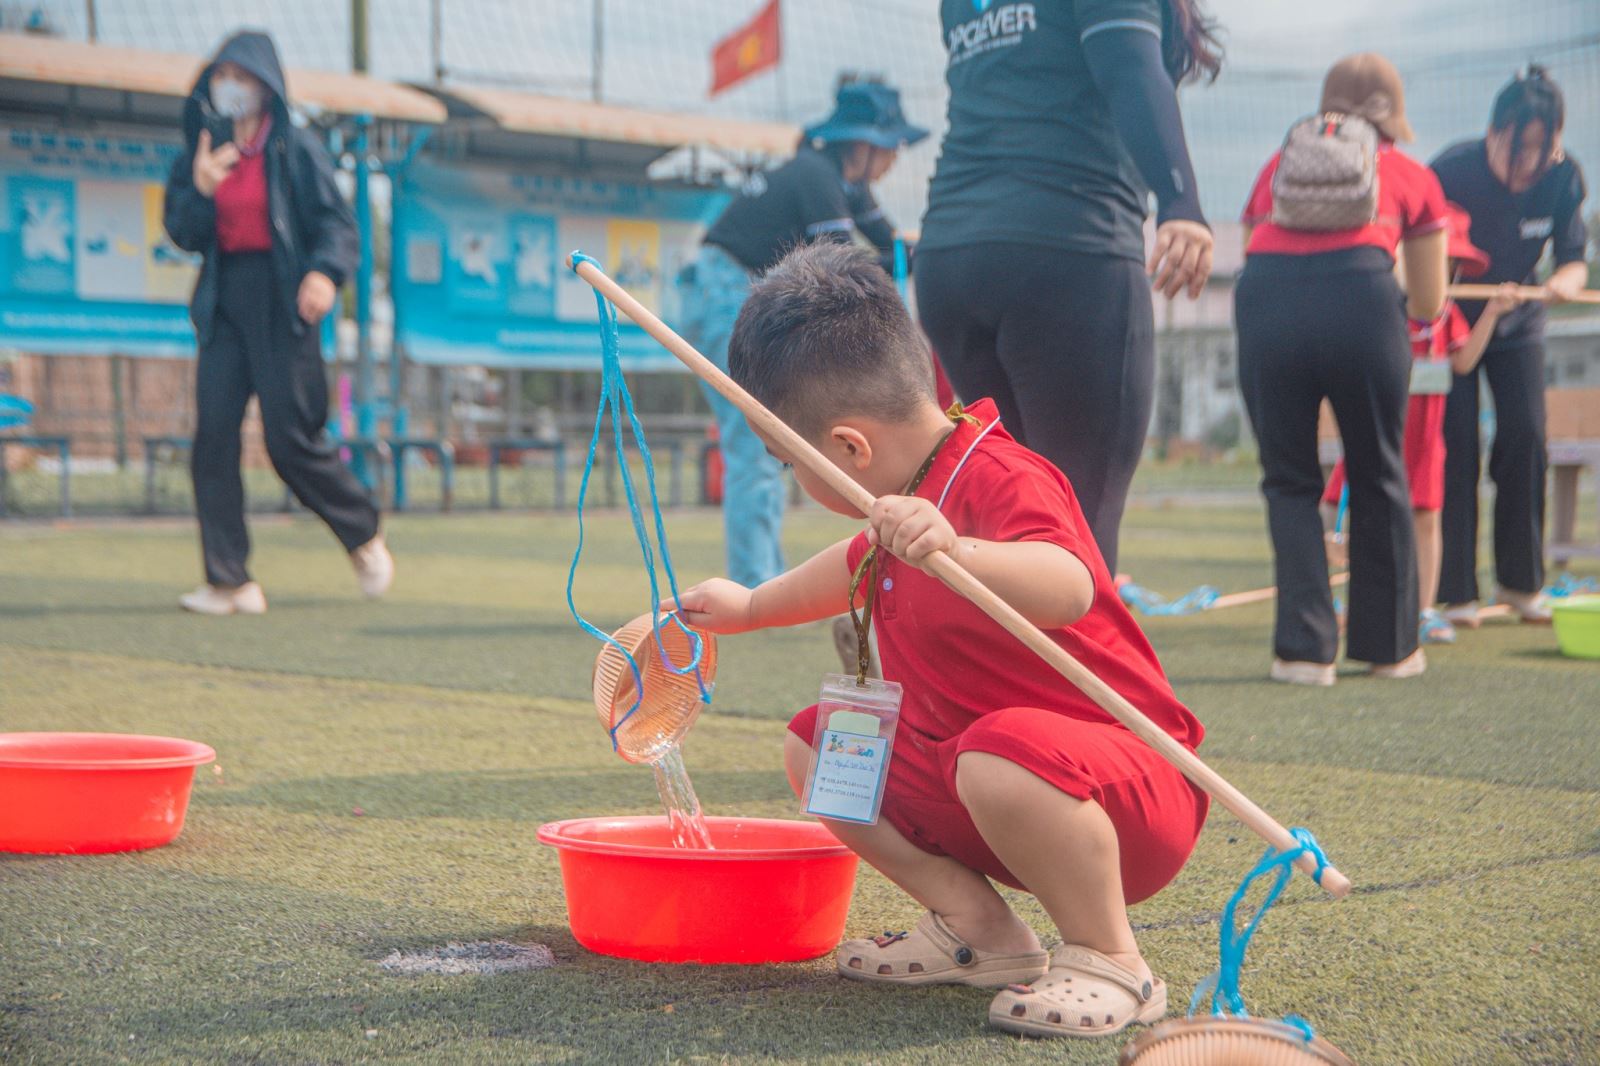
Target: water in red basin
x,y
77,793
771,891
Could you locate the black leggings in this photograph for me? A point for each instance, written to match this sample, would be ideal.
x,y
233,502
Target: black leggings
x,y
1064,343
1517,463
252,350
1332,325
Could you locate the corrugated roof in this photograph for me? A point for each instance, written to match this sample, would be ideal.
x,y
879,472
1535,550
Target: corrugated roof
x,y
135,70
521,112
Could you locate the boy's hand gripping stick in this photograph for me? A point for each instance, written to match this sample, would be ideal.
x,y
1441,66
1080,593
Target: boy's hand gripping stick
x,y
957,578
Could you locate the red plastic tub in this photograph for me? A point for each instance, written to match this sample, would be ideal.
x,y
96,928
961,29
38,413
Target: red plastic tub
x,y
81,793
770,891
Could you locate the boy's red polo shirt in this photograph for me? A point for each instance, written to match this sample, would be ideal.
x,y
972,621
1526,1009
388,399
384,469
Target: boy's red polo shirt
x,y
955,662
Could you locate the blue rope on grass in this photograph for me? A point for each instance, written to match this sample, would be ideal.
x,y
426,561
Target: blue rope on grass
x,y
1145,601
1222,986
617,401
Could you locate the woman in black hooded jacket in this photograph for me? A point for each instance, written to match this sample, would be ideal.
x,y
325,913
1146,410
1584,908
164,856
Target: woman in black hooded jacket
x,y
255,196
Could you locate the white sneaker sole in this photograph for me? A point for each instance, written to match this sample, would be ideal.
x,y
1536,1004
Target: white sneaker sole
x,y
1316,675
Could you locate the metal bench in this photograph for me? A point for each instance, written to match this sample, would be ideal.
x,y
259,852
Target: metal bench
x,y
500,446
63,448
443,452
675,450
155,446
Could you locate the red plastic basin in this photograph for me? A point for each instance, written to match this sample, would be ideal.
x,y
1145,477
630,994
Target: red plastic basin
x,y
770,890
81,793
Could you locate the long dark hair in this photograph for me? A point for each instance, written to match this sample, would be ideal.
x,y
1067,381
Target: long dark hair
x,y
1190,46
1532,96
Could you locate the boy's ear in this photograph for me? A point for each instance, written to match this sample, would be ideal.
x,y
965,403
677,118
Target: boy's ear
x,y
853,443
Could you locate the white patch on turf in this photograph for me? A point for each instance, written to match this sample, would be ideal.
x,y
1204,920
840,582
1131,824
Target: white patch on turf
x,y
484,957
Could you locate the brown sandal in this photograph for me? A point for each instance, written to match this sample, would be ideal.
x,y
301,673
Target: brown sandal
x,y
931,954
1083,994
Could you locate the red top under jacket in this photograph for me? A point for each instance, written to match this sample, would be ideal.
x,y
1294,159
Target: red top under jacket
x,y
243,222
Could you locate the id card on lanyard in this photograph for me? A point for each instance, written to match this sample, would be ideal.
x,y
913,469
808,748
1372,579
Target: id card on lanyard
x,y
850,748
1431,377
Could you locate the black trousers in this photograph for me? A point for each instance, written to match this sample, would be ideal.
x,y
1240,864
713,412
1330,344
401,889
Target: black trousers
x,y
1064,343
1332,325
253,350
1517,463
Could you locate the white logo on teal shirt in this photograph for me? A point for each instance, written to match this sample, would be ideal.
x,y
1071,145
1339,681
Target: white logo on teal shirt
x,y
1536,229
995,27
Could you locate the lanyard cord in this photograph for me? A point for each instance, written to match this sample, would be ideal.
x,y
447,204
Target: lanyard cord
x,y
867,568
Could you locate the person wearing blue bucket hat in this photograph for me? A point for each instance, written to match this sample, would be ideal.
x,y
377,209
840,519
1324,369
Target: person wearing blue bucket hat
x,y
1064,120
823,193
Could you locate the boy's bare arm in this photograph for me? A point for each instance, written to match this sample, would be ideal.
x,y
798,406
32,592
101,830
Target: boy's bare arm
x,y
818,588
1047,584
1466,357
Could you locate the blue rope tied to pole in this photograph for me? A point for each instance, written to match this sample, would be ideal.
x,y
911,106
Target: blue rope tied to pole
x,y
1223,985
1148,602
902,268
617,401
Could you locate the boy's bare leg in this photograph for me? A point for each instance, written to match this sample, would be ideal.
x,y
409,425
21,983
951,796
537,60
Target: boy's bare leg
x,y
962,896
1430,548
1064,850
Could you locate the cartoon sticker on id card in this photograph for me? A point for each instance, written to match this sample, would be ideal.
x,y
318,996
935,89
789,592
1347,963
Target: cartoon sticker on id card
x,y
851,747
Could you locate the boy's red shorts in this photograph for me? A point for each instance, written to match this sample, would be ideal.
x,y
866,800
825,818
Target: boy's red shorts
x,y
1424,453
1156,811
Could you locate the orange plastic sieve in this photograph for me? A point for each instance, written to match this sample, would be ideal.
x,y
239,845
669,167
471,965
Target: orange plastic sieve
x,y
670,701
1229,1042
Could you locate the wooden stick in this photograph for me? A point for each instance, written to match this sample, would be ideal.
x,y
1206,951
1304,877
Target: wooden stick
x,y
1527,292
1239,599
958,579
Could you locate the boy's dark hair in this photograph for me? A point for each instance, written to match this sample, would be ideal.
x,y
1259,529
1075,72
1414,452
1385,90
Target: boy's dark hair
x,y
1532,96
824,334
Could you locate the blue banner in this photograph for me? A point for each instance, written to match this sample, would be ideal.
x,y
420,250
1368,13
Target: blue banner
x,y
479,273
86,267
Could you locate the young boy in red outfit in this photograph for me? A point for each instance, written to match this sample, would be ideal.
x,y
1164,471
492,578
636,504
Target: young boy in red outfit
x,y
1439,349
1001,769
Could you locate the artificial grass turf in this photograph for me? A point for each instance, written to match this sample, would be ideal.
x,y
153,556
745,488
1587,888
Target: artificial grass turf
x,y
1464,806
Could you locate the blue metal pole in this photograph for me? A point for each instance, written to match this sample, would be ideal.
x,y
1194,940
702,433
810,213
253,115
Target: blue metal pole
x,y
366,409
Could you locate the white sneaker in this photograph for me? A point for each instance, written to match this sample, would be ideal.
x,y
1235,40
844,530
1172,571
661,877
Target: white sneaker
x,y
374,567
1412,665
1321,675
210,599
1529,606
1463,615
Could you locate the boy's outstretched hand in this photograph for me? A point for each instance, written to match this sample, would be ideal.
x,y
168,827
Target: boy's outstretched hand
x,y
910,527
717,606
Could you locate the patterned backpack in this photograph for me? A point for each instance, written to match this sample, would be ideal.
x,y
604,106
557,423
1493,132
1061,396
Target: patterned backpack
x,y
1327,177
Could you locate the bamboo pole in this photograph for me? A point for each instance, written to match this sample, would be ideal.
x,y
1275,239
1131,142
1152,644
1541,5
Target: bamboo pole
x,y
1525,292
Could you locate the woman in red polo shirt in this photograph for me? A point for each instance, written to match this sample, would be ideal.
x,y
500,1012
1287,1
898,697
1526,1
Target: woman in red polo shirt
x,y
1319,314
255,196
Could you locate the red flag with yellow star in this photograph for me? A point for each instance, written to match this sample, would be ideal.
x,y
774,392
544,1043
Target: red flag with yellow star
x,y
750,49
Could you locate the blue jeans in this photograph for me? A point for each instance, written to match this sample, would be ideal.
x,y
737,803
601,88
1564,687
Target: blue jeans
x,y
752,487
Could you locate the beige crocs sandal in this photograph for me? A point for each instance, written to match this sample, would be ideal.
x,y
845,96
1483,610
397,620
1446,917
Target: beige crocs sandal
x,y
1084,994
931,954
